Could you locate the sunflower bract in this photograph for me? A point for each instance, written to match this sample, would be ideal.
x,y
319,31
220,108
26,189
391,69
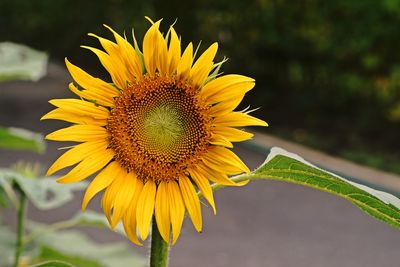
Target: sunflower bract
x,y
157,133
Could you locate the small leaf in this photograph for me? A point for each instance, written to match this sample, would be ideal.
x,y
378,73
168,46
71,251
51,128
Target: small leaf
x,y
284,166
21,139
53,264
44,193
19,62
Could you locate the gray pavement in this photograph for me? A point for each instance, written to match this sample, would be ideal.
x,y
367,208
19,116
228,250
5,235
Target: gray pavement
x,y
262,224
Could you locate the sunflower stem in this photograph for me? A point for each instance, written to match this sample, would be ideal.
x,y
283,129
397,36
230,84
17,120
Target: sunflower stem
x,y
21,217
159,248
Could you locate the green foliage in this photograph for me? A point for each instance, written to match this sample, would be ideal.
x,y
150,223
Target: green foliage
x,y
47,243
44,192
21,139
283,166
48,253
77,247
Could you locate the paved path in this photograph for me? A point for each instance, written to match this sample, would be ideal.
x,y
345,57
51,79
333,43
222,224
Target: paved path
x,y
262,224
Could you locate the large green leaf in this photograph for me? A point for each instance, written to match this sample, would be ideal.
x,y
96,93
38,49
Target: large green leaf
x,y
19,62
45,193
21,139
288,167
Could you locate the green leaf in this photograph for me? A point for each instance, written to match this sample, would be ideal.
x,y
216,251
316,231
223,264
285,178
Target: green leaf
x,y
49,254
53,264
44,193
21,139
19,62
288,167
76,244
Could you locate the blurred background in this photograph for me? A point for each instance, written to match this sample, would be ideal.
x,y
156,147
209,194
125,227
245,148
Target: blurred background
x,y
327,72
327,76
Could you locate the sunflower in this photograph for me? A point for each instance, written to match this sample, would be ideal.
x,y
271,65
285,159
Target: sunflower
x,y
158,133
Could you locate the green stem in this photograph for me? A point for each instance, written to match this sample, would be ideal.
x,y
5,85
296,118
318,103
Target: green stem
x,y
159,248
21,217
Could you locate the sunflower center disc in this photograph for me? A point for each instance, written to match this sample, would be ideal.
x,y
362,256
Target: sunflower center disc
x,y
158,128
163,127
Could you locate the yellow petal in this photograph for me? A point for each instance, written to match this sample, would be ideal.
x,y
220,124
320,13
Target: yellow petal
x,y
191,201
229,163
81,107
89,82
221,166
107,202
225,87
77,154
203,65
101,181
151,49
162,211
145,208
60,114
110,47
185,63
79,133
227,105
232,134
88,166
95,95
123,198
238,119
227,156
174,52
129,219
115,68
220,140
177,209
128,54
216,177
204,186
162,62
